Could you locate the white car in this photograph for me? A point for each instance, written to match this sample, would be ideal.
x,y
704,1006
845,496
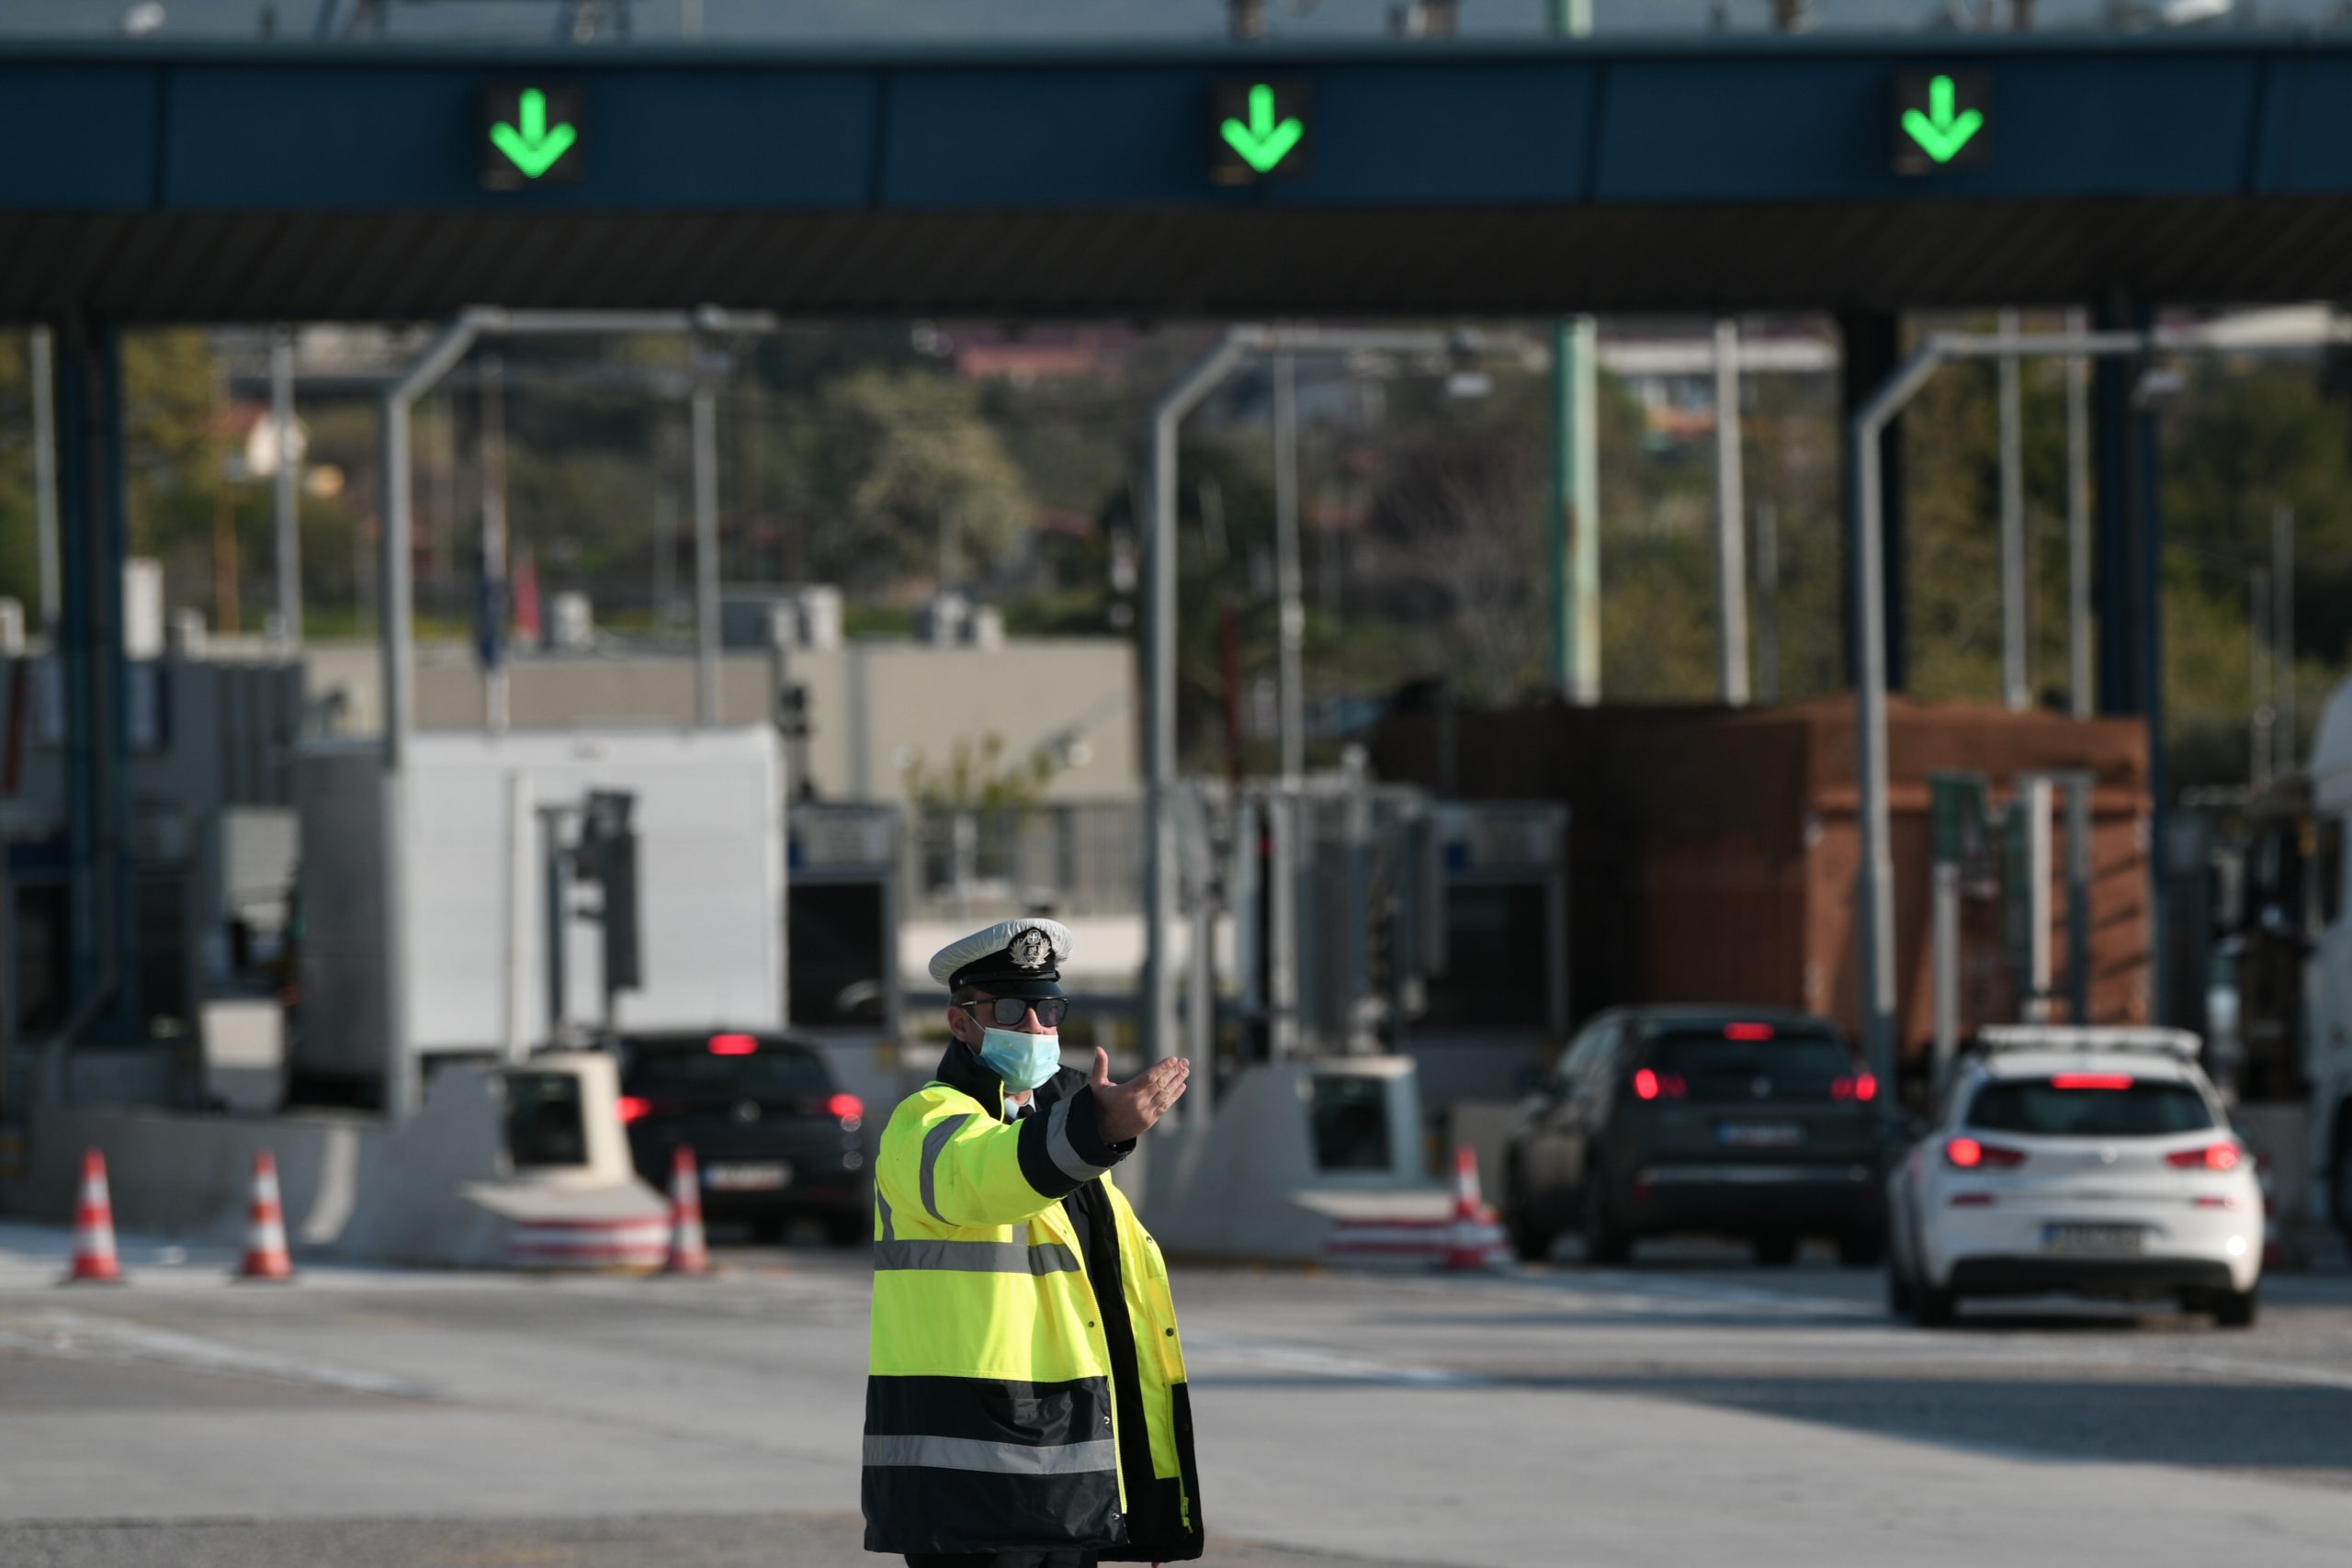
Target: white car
x,y
2091,1161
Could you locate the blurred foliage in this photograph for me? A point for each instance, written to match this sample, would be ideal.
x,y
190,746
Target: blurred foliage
x,y
979,777
857,453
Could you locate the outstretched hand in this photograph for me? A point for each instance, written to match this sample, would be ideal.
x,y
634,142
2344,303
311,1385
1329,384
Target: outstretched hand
x,y
1128,1109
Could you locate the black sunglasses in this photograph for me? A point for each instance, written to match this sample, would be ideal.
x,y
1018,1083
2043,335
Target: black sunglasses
x,y
1008,1011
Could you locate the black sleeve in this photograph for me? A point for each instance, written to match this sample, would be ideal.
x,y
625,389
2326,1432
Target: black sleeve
x,y
1062,1148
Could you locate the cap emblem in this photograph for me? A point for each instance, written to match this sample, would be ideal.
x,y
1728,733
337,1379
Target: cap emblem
x,y
1030,949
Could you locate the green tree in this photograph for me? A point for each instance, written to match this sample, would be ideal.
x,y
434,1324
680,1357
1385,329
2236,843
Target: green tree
x,y
907,473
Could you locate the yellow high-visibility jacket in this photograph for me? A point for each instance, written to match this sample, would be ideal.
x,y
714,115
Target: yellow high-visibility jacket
x,y
1009,1365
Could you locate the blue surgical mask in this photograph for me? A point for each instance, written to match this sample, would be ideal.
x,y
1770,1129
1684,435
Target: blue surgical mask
x,y
1021,1059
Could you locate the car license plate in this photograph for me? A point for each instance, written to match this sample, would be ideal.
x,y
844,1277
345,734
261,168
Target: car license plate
x,y
764,1177
1759,1134
2103,1241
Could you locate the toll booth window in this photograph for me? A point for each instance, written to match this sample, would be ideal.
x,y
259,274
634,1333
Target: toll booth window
x,y
543,1122
1351,1123
1497,964
838,939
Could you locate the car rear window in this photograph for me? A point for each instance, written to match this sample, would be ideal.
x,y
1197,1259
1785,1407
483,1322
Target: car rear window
x,y
776,1071
2145,1110
1714,1066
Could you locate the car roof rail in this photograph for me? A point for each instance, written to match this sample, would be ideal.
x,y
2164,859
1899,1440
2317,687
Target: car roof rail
x,y
2001,1039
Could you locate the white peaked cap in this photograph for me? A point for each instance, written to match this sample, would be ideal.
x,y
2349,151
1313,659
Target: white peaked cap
x,y
1000,938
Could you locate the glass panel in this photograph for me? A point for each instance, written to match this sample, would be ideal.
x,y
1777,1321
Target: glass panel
x,y
2040,1107
543,1126
1351,1123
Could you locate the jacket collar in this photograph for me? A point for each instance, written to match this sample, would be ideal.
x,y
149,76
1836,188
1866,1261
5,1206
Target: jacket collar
x,y
961,1069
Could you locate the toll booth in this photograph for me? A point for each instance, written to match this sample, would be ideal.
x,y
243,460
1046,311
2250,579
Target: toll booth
x,y
847,863
1496,996
1369,919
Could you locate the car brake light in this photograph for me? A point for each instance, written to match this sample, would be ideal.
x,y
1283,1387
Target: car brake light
x,y
2090,1081
634,1107
1649,1085
847,1108
2212,1156
1861,1085
1970,1155
733,1045
1747,1031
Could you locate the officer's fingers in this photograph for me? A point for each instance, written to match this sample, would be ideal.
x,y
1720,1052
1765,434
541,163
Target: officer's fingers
x,y
1102,1078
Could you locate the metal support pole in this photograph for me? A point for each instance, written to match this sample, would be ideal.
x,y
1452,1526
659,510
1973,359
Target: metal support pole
x,y
1289,675
2282,637
1874,911
41,349
1731,510
1874,890
2034,799
1575,547
2016,692
1160,980
2082,698
285,487
2079,898
1282,827
705,481
2261,655
497,710
555,864
1157,1013
1574,532
1768,603
1945,960
516,890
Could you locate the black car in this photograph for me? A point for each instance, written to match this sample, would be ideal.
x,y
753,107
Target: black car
x,y
774,1138
1756,1124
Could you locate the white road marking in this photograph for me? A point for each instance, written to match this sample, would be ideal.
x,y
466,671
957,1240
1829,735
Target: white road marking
x,y
71,1335
1311,1363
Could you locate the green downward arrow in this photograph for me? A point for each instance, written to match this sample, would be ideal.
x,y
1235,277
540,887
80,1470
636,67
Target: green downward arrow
x,y
1261,142
536,147
1940,133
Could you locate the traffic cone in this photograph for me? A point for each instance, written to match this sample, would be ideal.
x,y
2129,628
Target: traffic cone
x,y
1474,1240
689,1255
265,1255
93,1253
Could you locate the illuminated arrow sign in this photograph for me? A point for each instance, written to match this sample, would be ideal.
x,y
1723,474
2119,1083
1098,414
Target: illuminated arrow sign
x,y
530,136
1261,131
1939,122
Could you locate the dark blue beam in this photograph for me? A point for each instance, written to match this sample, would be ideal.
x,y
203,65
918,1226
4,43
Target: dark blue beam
x,y
293,128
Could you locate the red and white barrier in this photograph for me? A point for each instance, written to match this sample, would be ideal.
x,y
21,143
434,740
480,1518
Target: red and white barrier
x,y
1467,1237
637,1241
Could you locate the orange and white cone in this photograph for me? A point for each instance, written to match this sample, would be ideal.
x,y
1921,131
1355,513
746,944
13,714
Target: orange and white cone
x,y
688,1252
1474,1240
95,1261
265,1254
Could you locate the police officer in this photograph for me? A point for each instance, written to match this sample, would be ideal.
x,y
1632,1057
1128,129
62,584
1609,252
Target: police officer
x,y
1025,1405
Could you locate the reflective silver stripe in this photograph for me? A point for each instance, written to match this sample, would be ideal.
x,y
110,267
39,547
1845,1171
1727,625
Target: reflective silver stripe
x,y
997,1459
1065,1153
932,1143
883,1206
975,1257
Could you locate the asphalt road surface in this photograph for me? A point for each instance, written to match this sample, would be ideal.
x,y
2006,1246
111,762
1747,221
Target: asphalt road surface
x,y
1691,1412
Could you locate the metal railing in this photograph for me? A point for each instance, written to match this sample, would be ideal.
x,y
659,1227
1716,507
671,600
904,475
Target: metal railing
x,y
1082,858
